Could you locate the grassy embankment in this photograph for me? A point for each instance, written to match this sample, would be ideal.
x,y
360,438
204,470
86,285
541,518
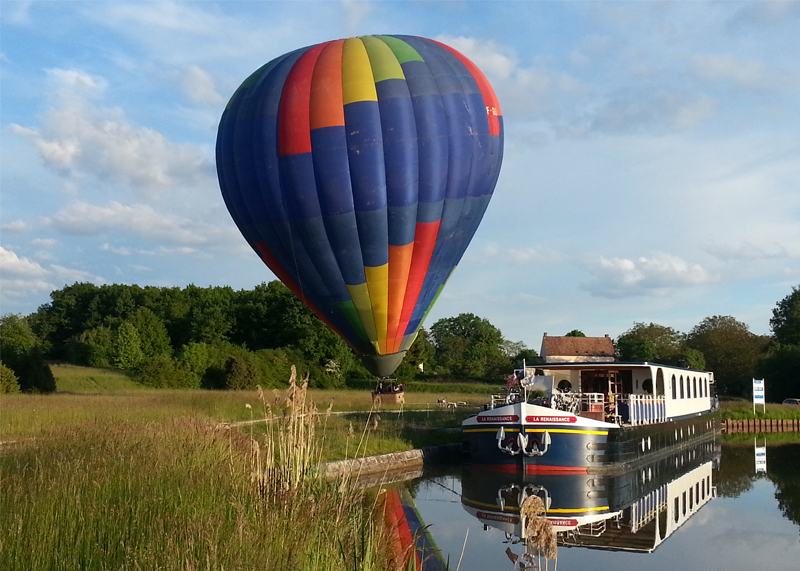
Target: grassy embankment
x,y
120,477
743,410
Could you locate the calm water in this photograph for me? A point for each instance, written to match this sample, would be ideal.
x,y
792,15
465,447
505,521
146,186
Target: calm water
x,y
705,509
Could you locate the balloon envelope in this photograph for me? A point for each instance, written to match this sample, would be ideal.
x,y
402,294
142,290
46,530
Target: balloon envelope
x,y
359,170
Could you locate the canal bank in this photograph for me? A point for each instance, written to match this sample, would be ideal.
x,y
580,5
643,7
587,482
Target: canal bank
x,y
393,461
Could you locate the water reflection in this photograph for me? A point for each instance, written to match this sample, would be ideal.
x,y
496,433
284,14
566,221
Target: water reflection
x,y
632,511
734,517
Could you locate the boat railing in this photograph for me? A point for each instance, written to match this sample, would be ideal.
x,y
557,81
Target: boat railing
x,y
646,409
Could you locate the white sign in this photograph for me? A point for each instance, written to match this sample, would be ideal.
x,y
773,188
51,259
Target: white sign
x,y
761,458
758,391
758,395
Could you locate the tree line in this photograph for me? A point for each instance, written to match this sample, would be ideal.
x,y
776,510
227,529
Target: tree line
x,y
218,337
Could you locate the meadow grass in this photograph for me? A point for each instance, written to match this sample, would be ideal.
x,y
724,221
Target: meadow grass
x,y
132,478
116,492
91,380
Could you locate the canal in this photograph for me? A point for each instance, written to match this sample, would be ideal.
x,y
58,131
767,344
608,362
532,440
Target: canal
x,y
729,503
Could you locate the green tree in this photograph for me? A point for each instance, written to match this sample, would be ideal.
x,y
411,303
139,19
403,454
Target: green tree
x,y
421,353
469,345
95,347
9,383
127,347
211,320
650,342
779,367
575,333
731,352
528,355
66,316
16,339
785,322
153,336
21,351
194,360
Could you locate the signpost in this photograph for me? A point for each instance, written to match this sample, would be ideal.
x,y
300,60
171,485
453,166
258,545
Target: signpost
x,y
758,395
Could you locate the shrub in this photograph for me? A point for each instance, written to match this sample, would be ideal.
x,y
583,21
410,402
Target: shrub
x,y
9,383
34,374
164,372
94,348
241,372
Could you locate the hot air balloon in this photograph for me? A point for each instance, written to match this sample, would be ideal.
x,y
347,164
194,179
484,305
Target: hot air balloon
x,y
358,170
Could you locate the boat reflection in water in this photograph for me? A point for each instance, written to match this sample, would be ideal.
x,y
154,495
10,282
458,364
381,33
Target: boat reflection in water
x,y
633,511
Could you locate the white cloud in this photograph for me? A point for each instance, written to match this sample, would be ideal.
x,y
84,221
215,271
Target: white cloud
x,y
21,277
749,73
657,275
78,138
160,251
491,58
44,242
355,12
199,87
15,227
747,251
67,275
11,264
523,91
535,254
140,219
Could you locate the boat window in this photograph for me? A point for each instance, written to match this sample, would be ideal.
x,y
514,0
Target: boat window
x,y
677,510
697,492
660,383
674,388
694,384
683,503
705,387
691,499
564,386
682,387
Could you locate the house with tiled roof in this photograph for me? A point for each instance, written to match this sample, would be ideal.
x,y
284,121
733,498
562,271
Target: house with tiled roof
x,y
577,349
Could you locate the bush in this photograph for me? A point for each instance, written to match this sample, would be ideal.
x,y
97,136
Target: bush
x,y
9,383
164,372
34,374
94,348
241,372
276,366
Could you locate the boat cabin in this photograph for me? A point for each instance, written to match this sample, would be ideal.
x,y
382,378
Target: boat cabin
x,y
623,393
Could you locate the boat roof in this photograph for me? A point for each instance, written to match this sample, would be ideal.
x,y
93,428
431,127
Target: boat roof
x,y
608,365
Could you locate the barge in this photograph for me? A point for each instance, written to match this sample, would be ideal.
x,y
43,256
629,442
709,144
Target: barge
x,y
592,417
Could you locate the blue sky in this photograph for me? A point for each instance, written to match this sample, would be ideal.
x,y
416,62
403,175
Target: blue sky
x,y
651,168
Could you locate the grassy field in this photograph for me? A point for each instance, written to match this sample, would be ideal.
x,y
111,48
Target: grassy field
x,y
105,474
